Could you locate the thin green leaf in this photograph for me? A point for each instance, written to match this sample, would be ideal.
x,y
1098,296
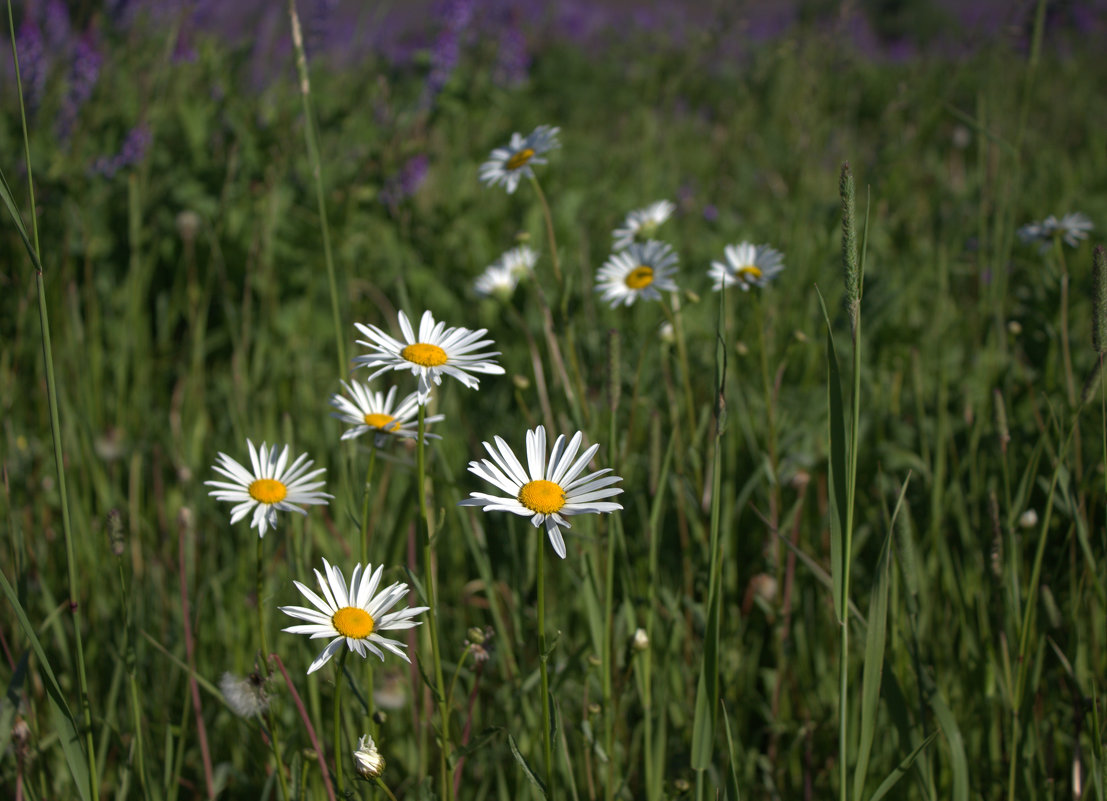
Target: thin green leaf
x,y
836,469
17,218
901,769
732,791
527,769
959,763
63,720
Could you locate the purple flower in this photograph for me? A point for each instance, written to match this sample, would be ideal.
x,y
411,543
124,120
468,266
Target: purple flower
x,y
133,151
513,60
406,182
32,62
83,75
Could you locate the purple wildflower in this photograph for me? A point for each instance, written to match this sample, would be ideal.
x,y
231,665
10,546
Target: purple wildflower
x,y
83,75
32,62
406,182
513,60
133,151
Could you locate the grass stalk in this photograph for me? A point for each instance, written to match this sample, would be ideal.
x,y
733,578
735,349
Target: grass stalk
x,y
446,786
56,433
543,657
274,736
317,174
340,672
551,239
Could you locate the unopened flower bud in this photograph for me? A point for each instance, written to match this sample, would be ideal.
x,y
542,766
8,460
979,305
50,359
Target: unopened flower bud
x,y
367,759
640,641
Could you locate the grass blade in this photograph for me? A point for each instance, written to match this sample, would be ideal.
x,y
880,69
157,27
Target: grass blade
x,y
901,768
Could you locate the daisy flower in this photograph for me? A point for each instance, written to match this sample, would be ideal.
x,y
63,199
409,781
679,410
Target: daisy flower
x,y
1072,228
435,351
642,223
367,758
353,616
506,165
273,486
547,491
640,271
369,410
746,265
496,281
520,261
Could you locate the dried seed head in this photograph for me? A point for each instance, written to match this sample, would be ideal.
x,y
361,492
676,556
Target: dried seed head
x,y
116,536
1099,300
850,265
247,697
1001,421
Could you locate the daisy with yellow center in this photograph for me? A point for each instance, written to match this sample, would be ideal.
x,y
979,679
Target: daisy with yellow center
x,y
642,224
437,350
641,271
273,486
507,165
367,410
354,616
548,490
746,265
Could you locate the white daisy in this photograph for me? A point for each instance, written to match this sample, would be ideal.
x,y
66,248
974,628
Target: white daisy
x,y
496,281
353,617
274,485
640,271
367,758
746,265
642,223
506,165
437,350
374,411
1072,228
547,491
520,261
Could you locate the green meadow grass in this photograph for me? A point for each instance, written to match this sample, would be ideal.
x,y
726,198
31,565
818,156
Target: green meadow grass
x,y
189,309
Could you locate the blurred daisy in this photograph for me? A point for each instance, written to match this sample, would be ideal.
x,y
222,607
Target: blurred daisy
x,y
519,261
746,265
642,223
273,486
547,491
1072,228
435,351
496,281
369,410
507,165
641,271
353,616
367,758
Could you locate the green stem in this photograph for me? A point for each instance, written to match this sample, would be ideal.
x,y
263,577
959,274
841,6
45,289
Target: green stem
x,y
365,504
547,742
847,552
317,174
338,753
549,228
675,318
447,788
384,787
56,434
274,737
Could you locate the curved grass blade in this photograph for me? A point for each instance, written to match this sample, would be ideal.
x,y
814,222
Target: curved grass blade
x,y
527,769
901,768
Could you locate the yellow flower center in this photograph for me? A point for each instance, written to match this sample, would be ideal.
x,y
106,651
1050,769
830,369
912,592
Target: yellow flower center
x,y
350,621
640,277
424,355
384,422
749,272
544,497
520,158
267,490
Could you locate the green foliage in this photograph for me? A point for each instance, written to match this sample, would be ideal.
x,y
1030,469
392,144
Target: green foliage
x,y
190,310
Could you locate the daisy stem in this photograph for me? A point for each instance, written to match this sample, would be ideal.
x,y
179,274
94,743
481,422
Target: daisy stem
x,y
384,787
365,505
338,721
56,434
770,425
432,613
676,318
317,174
274,737
549,228
547,742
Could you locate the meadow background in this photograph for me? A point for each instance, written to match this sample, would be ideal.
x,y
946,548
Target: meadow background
x,y
189,308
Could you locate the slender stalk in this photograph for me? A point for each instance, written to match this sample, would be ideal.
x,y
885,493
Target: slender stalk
x,y
317,174
384,787
549,228
56,435
446,790
547,741
274,737
676,320
365,503
338,753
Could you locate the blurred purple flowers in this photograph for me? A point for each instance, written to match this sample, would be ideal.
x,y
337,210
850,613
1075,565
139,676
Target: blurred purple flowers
x,y
131,153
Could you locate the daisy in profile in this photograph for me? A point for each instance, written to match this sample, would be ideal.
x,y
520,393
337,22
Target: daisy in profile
x,y
746,265
1072,228
640,271
435,351
368,410
355,616
273,486
507,165
519,261
641,224
497,281
547,490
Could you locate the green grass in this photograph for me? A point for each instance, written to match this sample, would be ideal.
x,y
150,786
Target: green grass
x,y
189,309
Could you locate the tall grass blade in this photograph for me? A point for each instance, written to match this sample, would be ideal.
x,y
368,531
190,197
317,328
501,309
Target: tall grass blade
x,y
62,719
836,469
732,791
905,765
528,771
